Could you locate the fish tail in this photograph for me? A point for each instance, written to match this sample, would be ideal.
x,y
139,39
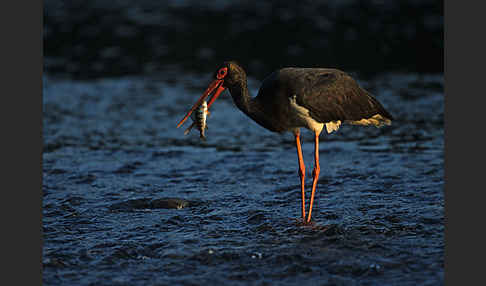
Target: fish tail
x,y
189,128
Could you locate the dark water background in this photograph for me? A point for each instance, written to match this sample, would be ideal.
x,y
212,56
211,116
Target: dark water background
x,y
129,200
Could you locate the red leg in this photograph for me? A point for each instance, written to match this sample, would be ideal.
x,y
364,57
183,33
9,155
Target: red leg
x,y
301,170
315,174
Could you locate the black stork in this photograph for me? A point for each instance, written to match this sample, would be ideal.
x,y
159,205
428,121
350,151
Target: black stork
x,y
291,98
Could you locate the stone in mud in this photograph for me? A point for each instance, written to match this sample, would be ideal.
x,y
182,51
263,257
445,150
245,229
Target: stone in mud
x,y
169,203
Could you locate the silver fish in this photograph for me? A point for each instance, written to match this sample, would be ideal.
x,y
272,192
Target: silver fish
x,y
199,117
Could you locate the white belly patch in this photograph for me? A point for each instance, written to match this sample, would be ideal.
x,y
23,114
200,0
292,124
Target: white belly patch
x,y
301,117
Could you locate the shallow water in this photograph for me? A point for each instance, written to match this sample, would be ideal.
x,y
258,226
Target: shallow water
x,y
129,200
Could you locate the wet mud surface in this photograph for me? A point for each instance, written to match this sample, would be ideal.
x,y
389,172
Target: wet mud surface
x,y
129,200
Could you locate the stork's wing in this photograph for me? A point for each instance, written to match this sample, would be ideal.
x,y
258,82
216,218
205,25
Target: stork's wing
x,y
332,95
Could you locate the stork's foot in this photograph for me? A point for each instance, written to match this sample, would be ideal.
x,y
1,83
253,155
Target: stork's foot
x,y
308,223
312,225
302,222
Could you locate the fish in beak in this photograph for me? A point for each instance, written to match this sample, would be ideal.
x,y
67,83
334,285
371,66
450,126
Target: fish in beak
x,y
217,85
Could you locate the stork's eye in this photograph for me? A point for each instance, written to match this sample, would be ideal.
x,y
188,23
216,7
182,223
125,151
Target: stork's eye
x,y
222,73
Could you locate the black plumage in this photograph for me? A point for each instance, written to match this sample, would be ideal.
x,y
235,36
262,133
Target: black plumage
x,y
328,94
291,98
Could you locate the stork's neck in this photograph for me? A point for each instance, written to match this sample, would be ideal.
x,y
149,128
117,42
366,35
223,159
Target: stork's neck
x,y
241,96
251,106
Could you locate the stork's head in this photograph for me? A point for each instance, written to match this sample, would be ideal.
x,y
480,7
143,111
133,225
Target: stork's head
x,y
227,75
230,73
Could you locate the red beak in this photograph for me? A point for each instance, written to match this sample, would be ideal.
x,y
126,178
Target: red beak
x,y
218,83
